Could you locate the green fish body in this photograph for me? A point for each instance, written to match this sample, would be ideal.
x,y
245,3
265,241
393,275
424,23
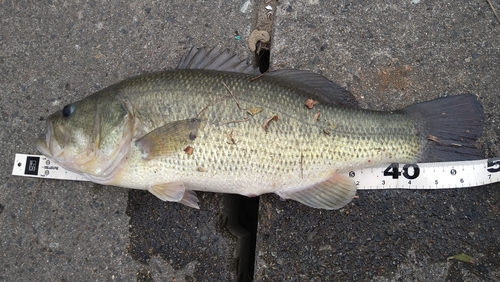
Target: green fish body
x,y
211,125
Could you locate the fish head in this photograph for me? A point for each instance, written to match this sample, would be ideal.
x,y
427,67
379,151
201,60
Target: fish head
x,y
91,136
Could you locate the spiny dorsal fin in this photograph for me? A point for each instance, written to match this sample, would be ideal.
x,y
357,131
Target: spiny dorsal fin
x,y
314,85
214,60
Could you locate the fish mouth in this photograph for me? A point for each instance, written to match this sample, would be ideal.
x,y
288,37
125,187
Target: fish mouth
x,y
49,146
41,145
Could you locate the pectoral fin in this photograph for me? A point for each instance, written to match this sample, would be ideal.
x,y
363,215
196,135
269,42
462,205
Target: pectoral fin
x,y
333,193
175,192
171,137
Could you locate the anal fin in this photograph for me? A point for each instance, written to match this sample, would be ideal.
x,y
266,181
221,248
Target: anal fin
x,y
190,199
175,192
332,193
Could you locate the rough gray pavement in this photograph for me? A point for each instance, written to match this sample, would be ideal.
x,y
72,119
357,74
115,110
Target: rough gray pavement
x,y
390,54
56,52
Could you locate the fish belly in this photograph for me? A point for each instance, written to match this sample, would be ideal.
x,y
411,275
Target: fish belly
x,y
284,146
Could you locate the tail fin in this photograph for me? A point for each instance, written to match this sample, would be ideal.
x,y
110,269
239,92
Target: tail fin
x,y
452,124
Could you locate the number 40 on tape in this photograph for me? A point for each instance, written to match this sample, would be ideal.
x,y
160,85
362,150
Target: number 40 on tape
x,y
443,175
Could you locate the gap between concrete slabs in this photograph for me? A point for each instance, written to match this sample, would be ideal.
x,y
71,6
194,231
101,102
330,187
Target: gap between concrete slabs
x,y
56,53
389,55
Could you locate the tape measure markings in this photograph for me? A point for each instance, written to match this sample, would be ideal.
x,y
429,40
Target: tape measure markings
x,y
444,175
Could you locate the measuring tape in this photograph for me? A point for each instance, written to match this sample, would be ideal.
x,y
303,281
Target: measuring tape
x,y
444,175
42,167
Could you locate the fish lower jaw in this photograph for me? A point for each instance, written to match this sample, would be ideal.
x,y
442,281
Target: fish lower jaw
x,y
41,145
49,148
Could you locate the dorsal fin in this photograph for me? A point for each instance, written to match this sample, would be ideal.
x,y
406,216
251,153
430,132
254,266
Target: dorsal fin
x,y
201,58
317,86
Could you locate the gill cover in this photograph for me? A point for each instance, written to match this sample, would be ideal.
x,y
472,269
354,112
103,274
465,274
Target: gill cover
x,y
92,136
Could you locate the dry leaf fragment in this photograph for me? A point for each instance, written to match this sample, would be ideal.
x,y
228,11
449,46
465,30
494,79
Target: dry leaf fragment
x,y
433,138
256,36
494,208
310,103
201,169
462,257
235,121
301,166
494,10
316,116
189,150
231,139
254,110
275,118
234,97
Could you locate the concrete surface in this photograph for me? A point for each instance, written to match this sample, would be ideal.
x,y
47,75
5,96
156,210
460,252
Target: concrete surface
x,y
56,52
388,54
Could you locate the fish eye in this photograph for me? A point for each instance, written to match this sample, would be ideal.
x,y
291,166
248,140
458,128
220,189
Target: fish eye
x,y
68,110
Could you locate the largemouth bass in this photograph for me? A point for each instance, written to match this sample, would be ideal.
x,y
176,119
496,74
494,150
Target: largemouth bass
x,y
212,125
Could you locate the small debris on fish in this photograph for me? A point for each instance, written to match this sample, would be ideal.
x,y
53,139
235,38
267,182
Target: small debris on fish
x,y
310,103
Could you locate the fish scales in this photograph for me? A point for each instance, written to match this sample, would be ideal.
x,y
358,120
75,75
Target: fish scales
x,y
185,130
294,147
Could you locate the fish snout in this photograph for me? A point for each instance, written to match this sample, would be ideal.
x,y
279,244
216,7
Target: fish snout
x,y
50,144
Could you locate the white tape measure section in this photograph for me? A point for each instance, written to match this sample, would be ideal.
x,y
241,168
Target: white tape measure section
x,y
443,175
42,167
